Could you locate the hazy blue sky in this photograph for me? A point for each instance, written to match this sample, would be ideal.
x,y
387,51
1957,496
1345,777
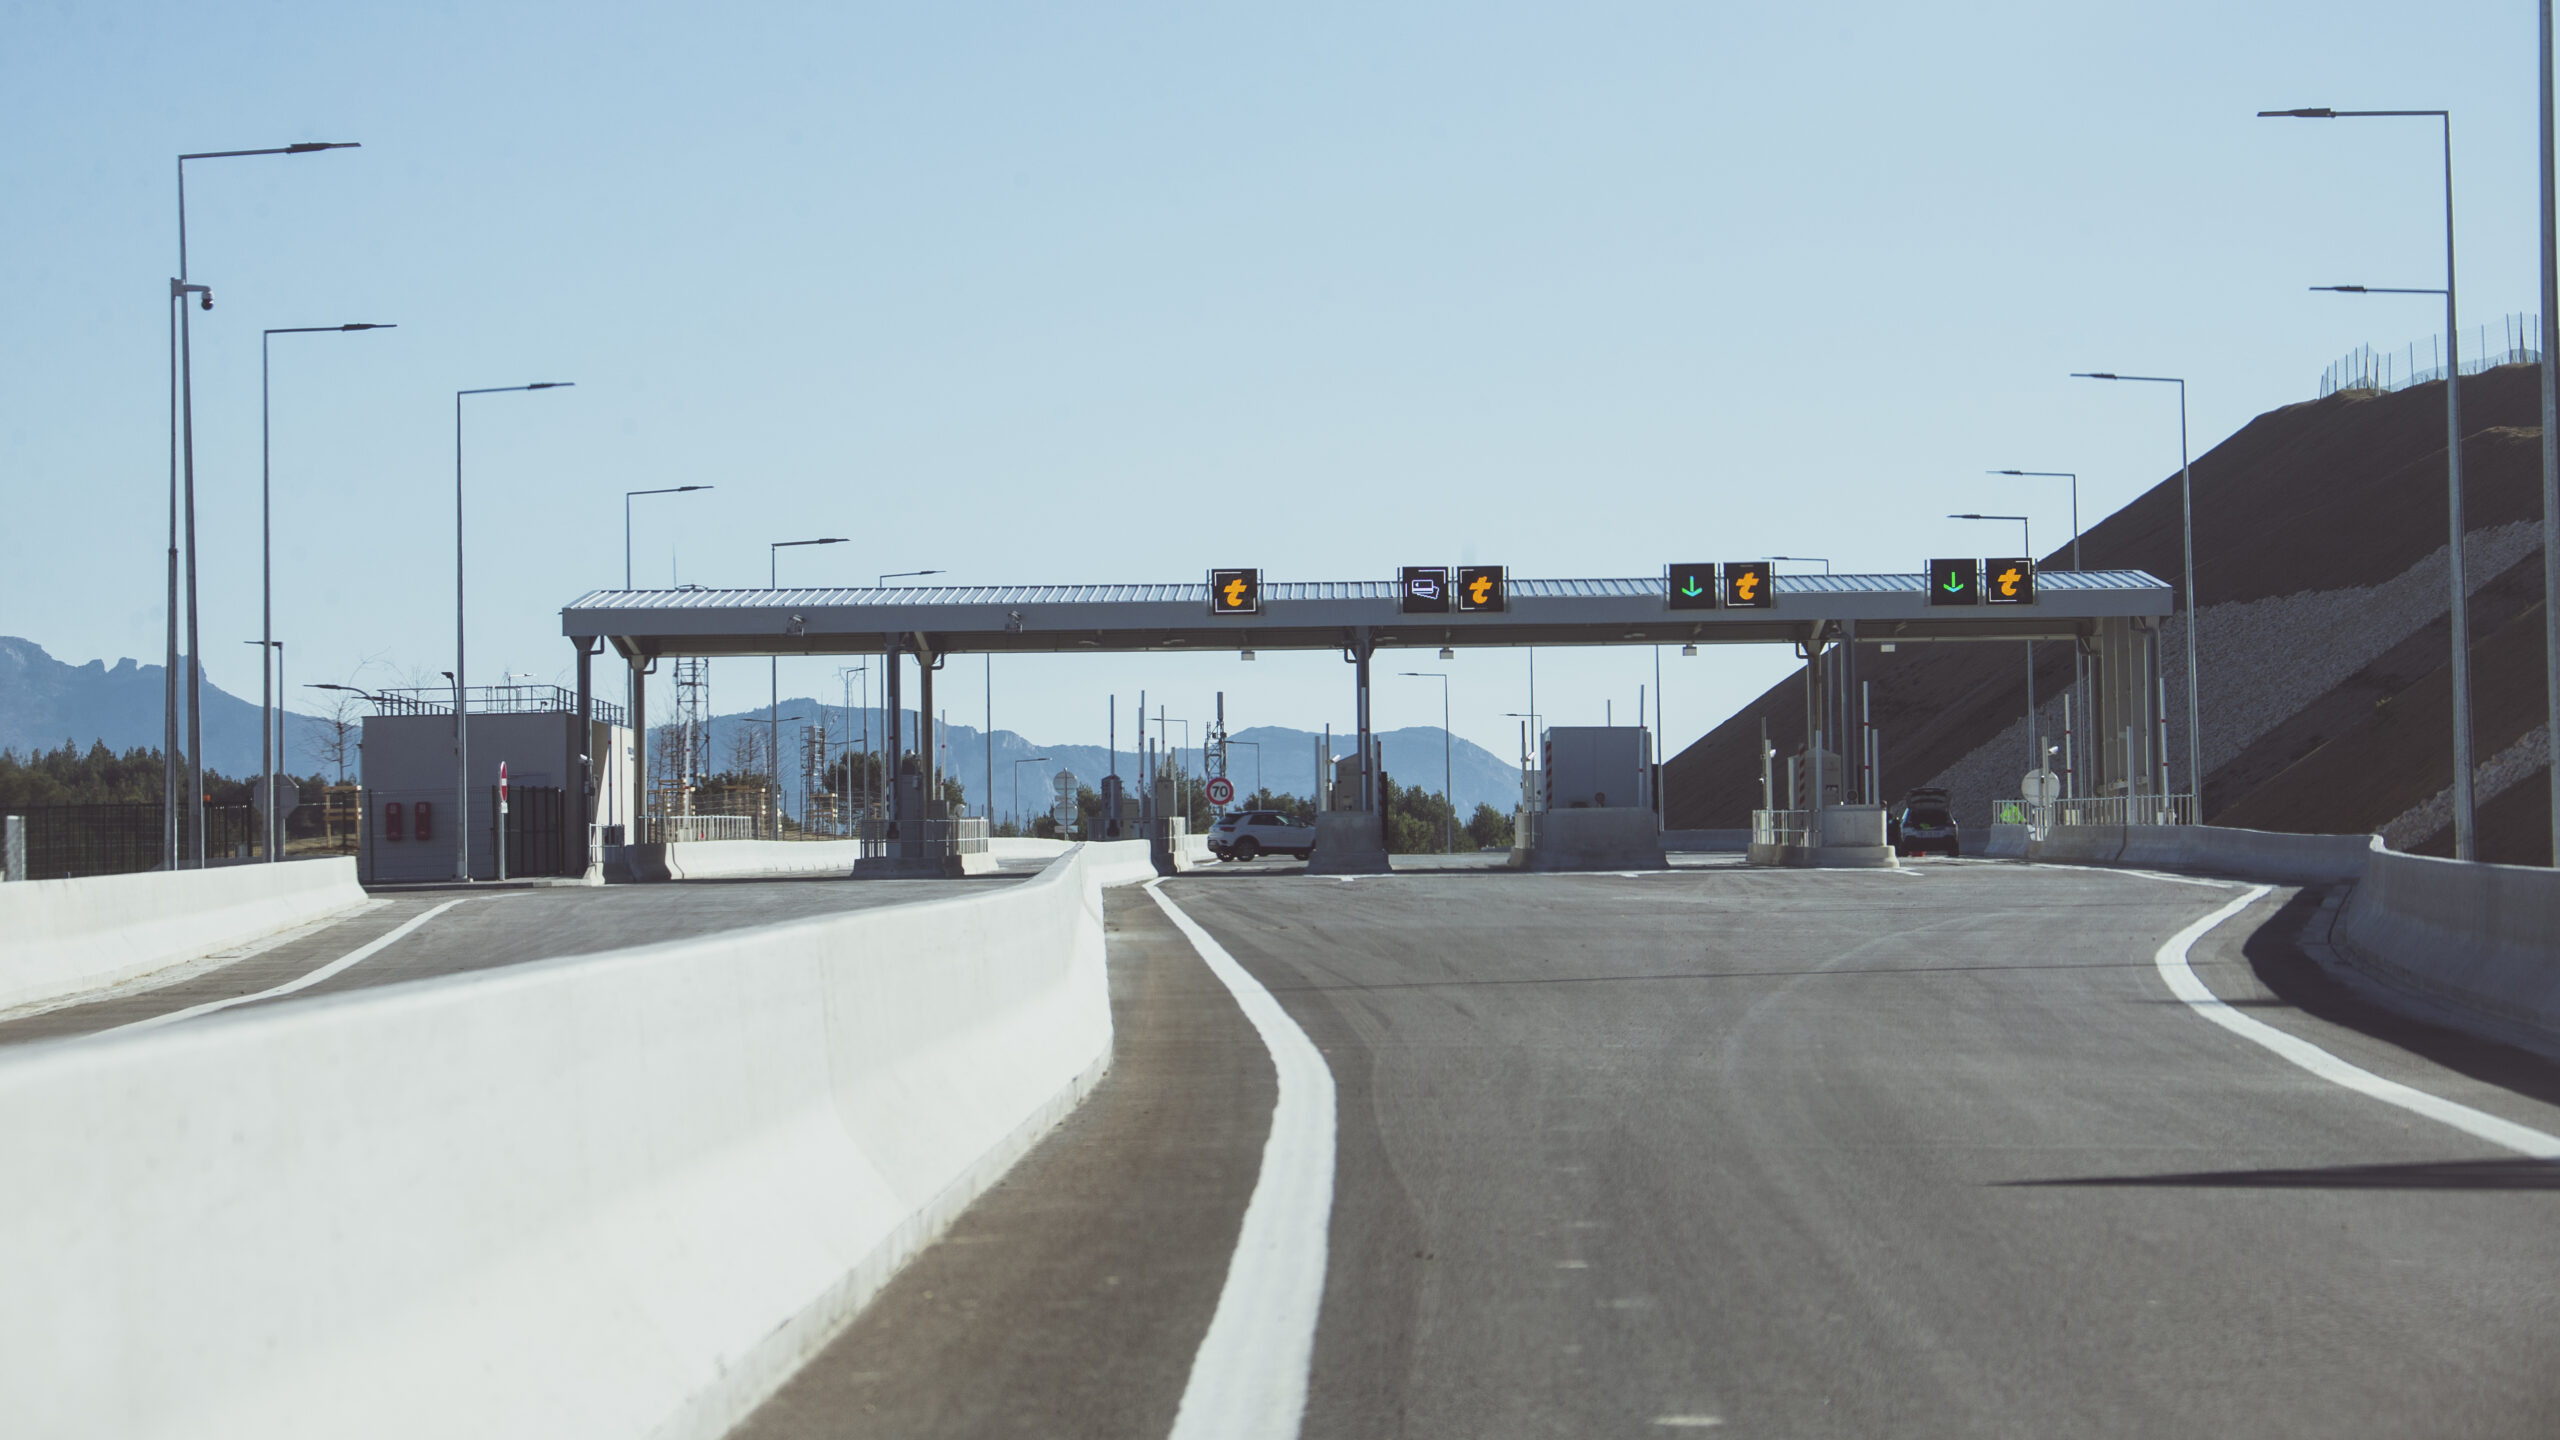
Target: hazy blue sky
x,y
1045,293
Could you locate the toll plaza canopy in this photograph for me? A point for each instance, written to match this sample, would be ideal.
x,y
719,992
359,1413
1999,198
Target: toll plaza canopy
x,y
1331,614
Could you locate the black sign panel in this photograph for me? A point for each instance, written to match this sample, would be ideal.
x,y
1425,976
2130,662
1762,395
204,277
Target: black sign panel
x,y
1691,587
1481,589
1424,589
2009,582
1749,585
1235,592
1955,582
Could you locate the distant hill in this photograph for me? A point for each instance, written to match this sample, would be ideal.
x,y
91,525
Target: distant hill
x,y
44,703
2321,560
1287,764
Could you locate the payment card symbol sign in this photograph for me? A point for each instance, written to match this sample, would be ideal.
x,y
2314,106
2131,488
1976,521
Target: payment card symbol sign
x,y
1481,587
2009,582
1235,592
1693,587
1748,585
1955,582
1426,589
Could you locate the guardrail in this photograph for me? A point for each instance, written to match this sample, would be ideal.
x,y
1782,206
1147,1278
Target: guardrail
x,y
2126,810
695,829
964,836
1781,827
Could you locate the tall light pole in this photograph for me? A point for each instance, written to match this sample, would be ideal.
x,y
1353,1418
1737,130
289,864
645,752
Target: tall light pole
x,y
1448,792
270,700
2079,690
1803,560
1017,787
626,520
844,677
270,662
1256,747
773,665
461,689
2187,531
2550,340
904,575
182,454
2027,546
2075,502
2465,843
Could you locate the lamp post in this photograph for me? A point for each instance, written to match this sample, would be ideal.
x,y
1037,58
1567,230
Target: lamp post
x,y
1256,747
2187,534
626,520
773,670
2465,845
2550,346
182,455
1802,560
1448,794
461,690
1017,786
904,575
270,701
2079,696
267,764
859,785
2075,502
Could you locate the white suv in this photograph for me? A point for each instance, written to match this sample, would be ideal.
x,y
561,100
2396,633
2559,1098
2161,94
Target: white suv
x,y
1245,834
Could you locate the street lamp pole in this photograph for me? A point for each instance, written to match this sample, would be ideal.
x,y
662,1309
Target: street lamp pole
x,y
182,454
2075,501
2550,346
2187,532
2465,839
1803,560
461,689
626,520
1256,747
2026,542
1448,792
270,700
1017,787
773,670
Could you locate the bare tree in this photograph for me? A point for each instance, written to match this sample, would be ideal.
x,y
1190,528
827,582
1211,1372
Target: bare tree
x,y
338,742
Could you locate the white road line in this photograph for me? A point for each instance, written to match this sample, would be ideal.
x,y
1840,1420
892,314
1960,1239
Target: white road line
x,y
1249,1377
2172,963
352,958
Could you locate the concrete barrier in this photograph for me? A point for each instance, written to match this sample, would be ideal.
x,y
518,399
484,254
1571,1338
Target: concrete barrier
x,y
741,859
1348,842
615,1195
62,937
2483,939
1616,837
1027,847
2006,842
2211,849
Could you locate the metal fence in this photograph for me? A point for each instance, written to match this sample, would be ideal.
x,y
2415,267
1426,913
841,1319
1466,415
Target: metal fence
x,y
492,700
68,842
2515,342
964,836
1781,827
2126,810
693,829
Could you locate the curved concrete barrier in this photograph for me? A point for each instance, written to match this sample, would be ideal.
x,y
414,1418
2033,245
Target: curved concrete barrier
x,y
1027,847
741,859
2214,849
2482,938
63,937
616,1195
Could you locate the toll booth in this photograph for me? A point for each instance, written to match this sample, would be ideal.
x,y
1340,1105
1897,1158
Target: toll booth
x,y
560,793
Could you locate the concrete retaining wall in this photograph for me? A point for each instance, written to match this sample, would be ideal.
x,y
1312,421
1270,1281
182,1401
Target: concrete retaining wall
x,y
2484,939
616,1195
741,859
2214,849
1618,837
61,937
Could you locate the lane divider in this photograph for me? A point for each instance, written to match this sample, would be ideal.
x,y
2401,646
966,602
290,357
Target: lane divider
x,y
352,958
2171,961
1249,1377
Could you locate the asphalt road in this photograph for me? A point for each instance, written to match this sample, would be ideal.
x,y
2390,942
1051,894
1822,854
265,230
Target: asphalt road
x,y
491,926
1934,1153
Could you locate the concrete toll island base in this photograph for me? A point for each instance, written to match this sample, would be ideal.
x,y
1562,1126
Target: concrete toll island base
x,y
61,937
1348,842
1850,837
616,1195
1617,837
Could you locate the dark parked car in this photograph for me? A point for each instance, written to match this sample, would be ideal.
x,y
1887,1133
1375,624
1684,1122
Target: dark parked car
x,y
1922,822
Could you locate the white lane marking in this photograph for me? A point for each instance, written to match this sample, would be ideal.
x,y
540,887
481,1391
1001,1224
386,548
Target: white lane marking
x,y
186,970
2172,963
1688,1422
1249,1377
352,958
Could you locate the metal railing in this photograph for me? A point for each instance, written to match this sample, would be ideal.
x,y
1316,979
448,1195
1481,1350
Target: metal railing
x,y
694,829
2365,368
913,838
491,700
2126,810
1781,827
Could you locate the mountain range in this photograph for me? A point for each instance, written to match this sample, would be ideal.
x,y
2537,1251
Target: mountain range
x,y
45,703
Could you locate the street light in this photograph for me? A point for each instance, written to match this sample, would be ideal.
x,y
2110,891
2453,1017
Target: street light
x,y
2075,501
2465,845
2023,542
267,758
1017,786
182,443
2187,597
904,575
270,701
773,670
1802,560
1448,793
626,520
461,691
1256,747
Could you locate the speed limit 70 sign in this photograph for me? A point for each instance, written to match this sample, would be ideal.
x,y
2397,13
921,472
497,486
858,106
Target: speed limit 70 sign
x,y
1221,790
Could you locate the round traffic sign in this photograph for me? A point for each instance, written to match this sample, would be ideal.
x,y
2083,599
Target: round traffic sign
x,y
1221,790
